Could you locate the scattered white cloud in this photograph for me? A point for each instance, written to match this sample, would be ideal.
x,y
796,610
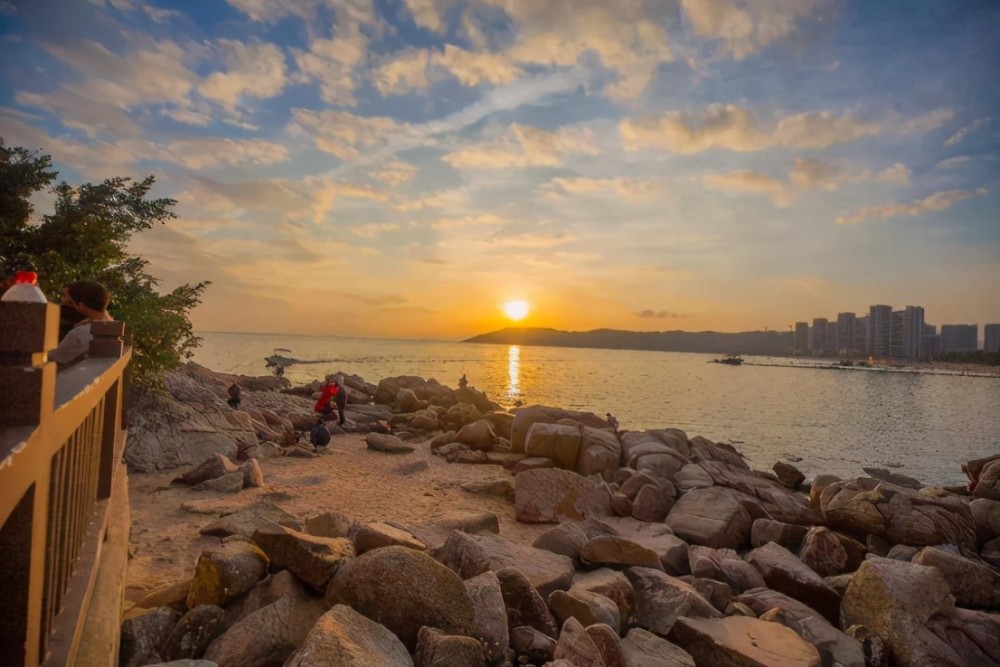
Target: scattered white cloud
x,y
255,70
897,174
735,128
332,63
474,68
425,13
340,133
626,188
939,201
525,146
963,132
402,74
744,180
744,27
953,162
395,172
925,123
816,174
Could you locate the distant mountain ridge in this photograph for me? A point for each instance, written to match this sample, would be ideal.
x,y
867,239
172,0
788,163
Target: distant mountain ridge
x,y
747,342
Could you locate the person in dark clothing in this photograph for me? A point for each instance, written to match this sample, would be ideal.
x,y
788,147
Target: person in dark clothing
x,y
340,399
463,382
320,435
234,396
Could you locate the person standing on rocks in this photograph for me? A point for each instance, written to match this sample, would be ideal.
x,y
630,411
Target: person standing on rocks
x,y
612,421
234,396
320,435
463,382
335,394
340,399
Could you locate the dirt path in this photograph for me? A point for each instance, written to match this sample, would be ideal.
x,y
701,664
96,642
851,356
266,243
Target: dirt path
x,y
362,484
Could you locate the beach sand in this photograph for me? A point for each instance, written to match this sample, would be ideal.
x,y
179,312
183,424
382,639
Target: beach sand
x,y
362,484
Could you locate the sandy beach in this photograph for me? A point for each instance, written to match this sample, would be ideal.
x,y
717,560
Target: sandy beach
x,y
362,484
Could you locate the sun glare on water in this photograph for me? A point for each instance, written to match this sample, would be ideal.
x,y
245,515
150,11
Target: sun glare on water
x,y
516,309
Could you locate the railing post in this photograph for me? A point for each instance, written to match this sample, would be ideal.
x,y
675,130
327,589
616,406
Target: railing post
x,y
27,379
109,339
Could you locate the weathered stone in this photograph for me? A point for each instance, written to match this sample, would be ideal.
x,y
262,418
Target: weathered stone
x,y
900,515
652,503
173,595
143,635
550,495
532,463
502,487
559,442
762,495
718,593
833,645
246,521
788,475
908,606
450,449
658,538
477,435
743,641
442,522
600,453
469,456
228,483
724,565
387,444
566,539
311,558
226,573
609,644
692,476
787,574
490,615
404,590
712,517
613,585
984,477
621,505
377,535
437,649
661,599
973,584
636,481
986,515
327,524
525,418
576,646
523,604
253,476
644,649
346,638
193,632
534,645
585,606
267,591
215,466
823,552
614,551
268,635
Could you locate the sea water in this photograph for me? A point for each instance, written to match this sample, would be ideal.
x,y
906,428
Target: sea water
x,y
822,420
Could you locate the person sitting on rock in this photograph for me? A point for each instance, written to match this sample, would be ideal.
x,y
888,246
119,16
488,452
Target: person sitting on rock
x,y
320,435
612,421
333,393
463,382
234,396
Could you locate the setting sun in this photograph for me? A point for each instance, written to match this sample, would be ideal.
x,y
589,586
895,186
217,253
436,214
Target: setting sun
x,y
516,310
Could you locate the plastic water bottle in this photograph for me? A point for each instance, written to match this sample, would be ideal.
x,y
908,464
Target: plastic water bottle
x,y
25,289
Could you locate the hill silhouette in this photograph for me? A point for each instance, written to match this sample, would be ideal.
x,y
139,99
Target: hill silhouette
x,y
716,342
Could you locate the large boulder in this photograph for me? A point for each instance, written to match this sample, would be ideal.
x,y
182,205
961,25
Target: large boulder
x,y
644,649
586,607
613,585
713,517
744,642
471,555
600,452
898,514
344,637
142,636
310,558
226,573
559,442
662,599
438,649
785,573
984,477
658,538
910,607
523,604
576,646
477,435
193,632
525,418
973,584
490,615
550,495
404,590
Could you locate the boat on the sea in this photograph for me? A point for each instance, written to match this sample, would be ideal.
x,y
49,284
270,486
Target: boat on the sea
x,y
283,357
732,360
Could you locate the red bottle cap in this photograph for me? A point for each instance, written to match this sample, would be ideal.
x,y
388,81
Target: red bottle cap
x,y
26,278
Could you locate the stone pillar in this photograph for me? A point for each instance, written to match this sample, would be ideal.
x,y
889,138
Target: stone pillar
x,y
27,378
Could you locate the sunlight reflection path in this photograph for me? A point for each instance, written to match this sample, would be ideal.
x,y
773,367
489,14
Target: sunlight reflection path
x,y
513,371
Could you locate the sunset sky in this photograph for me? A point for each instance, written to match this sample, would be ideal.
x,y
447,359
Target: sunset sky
x,y
404,169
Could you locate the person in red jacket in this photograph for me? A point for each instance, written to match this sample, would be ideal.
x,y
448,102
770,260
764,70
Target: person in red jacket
x,y
332,392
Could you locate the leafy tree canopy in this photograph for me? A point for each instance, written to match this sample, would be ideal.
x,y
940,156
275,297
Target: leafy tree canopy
x,y
86,237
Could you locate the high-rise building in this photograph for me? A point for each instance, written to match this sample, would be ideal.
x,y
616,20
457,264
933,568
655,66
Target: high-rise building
x,y
912,334
896,335
819,335
929,344
861,334
846,336
801,341
879,330
959,337
992,342
832,340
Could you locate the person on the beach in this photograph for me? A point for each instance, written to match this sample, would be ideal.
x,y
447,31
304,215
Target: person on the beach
x,y
320,435
612,421
234,396
340,399
463,382
332,394
90,300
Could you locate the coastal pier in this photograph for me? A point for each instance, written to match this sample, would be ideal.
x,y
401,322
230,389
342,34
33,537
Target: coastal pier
x,y
63,492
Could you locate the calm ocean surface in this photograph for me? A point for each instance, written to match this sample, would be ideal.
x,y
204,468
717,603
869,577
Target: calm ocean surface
x,y
921,425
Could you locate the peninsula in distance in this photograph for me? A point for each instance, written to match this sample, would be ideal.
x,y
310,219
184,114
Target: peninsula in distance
x,y
746,342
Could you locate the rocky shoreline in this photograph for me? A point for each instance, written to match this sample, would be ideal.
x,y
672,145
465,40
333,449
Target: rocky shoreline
x,y
579,544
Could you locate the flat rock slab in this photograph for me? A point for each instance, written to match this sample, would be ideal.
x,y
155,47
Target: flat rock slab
x,y
712,517
388,444
744,641
551,495
344,637
644,649
250,519
470,555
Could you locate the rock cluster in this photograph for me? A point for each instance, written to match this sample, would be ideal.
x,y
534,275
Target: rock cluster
x,y
664,550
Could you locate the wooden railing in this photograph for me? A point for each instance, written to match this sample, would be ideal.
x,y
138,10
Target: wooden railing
x,y
61,479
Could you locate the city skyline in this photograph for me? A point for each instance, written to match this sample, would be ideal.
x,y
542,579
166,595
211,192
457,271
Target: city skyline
x,y
417,168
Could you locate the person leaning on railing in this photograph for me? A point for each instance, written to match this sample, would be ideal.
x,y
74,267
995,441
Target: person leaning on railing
x,y
90,299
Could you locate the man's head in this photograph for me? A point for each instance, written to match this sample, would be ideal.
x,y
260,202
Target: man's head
x,y
88,294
